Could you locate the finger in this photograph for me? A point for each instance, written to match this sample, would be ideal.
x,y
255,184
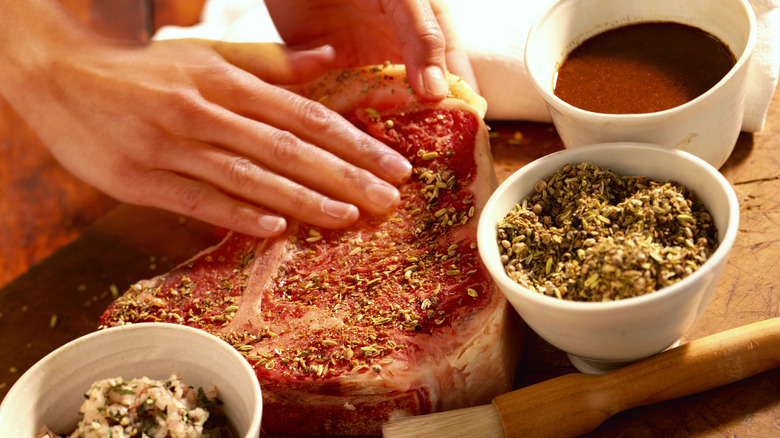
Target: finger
x,y
457,58
423,46
202,201
311,123
276,63
283,168
248,180
205,201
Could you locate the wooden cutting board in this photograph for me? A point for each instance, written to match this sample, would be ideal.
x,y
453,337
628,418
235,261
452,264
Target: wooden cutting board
x,y
62,298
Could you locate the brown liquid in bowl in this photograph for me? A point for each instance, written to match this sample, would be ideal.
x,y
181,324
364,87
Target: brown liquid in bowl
x,y
642,68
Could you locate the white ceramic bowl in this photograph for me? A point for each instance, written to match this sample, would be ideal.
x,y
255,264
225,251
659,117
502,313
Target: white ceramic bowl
x,y
599,336
707,126
51,392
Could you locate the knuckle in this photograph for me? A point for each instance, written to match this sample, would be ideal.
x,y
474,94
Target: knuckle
x,y
431,42
300,201
314,117
181,105
156,149
286,147
191,198
353,176
241,172
129,182
218,71
236,216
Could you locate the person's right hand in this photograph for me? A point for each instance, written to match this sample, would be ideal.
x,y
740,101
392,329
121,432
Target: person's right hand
x,y
196,127
420,34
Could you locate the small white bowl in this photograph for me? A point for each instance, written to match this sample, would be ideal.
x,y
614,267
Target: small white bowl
x,y
707,126
600,336
52,391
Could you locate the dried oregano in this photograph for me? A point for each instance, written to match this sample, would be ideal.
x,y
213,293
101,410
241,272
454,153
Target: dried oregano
x,y
589,234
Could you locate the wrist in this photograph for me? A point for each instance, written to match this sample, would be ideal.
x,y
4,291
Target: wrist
x,y
35,35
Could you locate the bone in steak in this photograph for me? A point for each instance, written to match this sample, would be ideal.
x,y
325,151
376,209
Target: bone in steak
x,y
394,316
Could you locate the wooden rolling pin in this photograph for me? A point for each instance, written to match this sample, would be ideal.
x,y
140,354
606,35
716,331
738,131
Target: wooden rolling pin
x,y
574,404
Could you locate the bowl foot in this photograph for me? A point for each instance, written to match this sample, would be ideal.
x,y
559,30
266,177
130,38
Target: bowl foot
x,y
595,366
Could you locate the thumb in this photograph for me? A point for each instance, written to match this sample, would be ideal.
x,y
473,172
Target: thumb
x,y
276,63
423,46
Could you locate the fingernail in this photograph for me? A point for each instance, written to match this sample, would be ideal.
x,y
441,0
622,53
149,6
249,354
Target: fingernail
x,y
272,224
327,49
382,195
339,210
397,167
434,82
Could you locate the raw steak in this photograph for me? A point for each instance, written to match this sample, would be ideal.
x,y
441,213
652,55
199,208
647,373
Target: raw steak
x,y
395,316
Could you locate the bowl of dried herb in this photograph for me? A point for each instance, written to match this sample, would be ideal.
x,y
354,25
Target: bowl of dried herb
x,y
610,252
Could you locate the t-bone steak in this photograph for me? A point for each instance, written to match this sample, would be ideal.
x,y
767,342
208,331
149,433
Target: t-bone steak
x,y
394,316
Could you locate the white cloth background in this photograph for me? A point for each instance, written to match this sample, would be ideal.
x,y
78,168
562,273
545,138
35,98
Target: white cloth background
x,y
497,54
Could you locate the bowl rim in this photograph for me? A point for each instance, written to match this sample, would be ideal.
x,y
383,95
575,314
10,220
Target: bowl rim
x,y
486,231
18,386
554,100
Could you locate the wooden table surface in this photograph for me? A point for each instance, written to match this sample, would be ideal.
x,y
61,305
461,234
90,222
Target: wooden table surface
x,y
65,247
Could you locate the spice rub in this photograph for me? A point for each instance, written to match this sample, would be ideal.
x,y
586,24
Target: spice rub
x,y
119,408
642,68
395,314
391,277
590,234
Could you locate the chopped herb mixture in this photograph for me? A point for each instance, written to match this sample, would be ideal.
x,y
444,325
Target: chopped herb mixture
x,y
119,408
590,234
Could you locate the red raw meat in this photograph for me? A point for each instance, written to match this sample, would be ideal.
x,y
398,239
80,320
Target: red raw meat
x,y
395,316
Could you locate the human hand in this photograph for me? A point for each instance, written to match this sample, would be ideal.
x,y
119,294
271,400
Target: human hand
x,y
197,127
417,33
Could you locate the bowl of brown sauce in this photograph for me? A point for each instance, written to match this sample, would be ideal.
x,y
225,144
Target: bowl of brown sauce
x,y
664,72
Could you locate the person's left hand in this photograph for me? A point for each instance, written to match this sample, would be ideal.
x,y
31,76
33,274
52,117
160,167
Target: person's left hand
x,y
417,33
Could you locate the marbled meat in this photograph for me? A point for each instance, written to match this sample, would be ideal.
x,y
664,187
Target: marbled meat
x,y
394,316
